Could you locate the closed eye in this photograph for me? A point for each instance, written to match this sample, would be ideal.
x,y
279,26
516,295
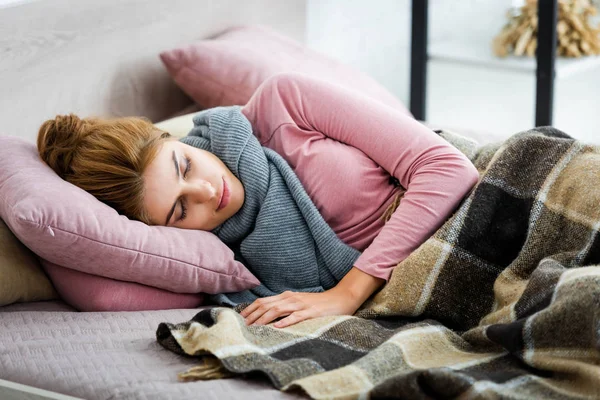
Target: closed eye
x,y
188,167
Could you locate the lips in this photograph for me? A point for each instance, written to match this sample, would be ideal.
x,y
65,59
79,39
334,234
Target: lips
x,y
224,196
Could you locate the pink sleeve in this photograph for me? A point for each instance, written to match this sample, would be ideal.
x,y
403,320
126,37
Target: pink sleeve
x,y
436,175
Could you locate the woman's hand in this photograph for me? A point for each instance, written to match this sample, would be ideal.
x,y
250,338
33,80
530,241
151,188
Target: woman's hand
x,y
299,306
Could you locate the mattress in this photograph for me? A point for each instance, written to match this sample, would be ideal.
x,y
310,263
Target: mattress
x,y
107,355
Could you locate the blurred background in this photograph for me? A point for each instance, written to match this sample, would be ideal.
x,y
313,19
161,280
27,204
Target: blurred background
x,y
374,36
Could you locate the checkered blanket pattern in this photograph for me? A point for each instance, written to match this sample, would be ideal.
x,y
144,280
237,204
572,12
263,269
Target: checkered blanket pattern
x,y
503,301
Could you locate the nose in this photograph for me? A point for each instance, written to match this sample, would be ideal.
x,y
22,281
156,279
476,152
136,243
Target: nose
x,y
201,191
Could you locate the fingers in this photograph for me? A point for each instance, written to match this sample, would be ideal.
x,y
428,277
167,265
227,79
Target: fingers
x,y
269,313
258,303
266,310
292,319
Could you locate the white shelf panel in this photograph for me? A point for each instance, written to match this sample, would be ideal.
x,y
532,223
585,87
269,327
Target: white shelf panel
x,y
479,52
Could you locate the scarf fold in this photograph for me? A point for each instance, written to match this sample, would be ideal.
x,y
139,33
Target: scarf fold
x,y
278,233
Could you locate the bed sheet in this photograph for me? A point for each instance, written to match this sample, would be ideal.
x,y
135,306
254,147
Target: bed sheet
x,y
107,355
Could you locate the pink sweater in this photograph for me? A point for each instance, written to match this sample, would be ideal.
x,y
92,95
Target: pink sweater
x,y
343,146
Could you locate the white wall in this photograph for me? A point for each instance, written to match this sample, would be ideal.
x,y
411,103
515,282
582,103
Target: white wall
x,y
8,3
374,36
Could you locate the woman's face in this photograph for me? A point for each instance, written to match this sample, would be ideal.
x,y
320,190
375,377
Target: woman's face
x,y
184,185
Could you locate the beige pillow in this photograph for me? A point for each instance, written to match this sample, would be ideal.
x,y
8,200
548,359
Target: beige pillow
x,y
22,278
179,126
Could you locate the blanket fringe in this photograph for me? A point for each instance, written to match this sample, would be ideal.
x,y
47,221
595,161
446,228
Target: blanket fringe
x,y
211,369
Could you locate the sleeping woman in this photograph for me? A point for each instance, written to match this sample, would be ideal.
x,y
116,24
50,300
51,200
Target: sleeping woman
x,y
319,190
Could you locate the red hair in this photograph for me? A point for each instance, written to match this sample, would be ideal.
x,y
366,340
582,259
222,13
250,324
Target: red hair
x,y
105,157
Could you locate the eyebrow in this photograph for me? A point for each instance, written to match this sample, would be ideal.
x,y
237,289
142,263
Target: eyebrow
x,y
174,204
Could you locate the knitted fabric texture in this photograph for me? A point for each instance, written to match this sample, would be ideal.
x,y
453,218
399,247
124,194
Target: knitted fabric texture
x,y
278,234
502,302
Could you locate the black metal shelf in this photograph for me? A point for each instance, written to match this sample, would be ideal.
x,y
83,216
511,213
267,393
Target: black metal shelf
x,y
545,60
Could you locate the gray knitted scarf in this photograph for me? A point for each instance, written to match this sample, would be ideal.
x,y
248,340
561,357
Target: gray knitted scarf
x,y
278,234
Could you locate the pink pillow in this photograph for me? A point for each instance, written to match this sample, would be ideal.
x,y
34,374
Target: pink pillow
x,y
88,292
227,69
69,227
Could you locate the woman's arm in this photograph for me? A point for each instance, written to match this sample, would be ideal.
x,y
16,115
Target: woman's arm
x,y
435,174
357,286
344,299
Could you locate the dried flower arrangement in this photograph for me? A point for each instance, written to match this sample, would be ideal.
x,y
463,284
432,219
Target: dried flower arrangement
x,y
576,37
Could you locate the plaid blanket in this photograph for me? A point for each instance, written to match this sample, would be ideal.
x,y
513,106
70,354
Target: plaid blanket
x,y
503,301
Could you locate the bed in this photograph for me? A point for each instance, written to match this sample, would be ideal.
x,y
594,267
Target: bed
x,y
49,345
101,57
